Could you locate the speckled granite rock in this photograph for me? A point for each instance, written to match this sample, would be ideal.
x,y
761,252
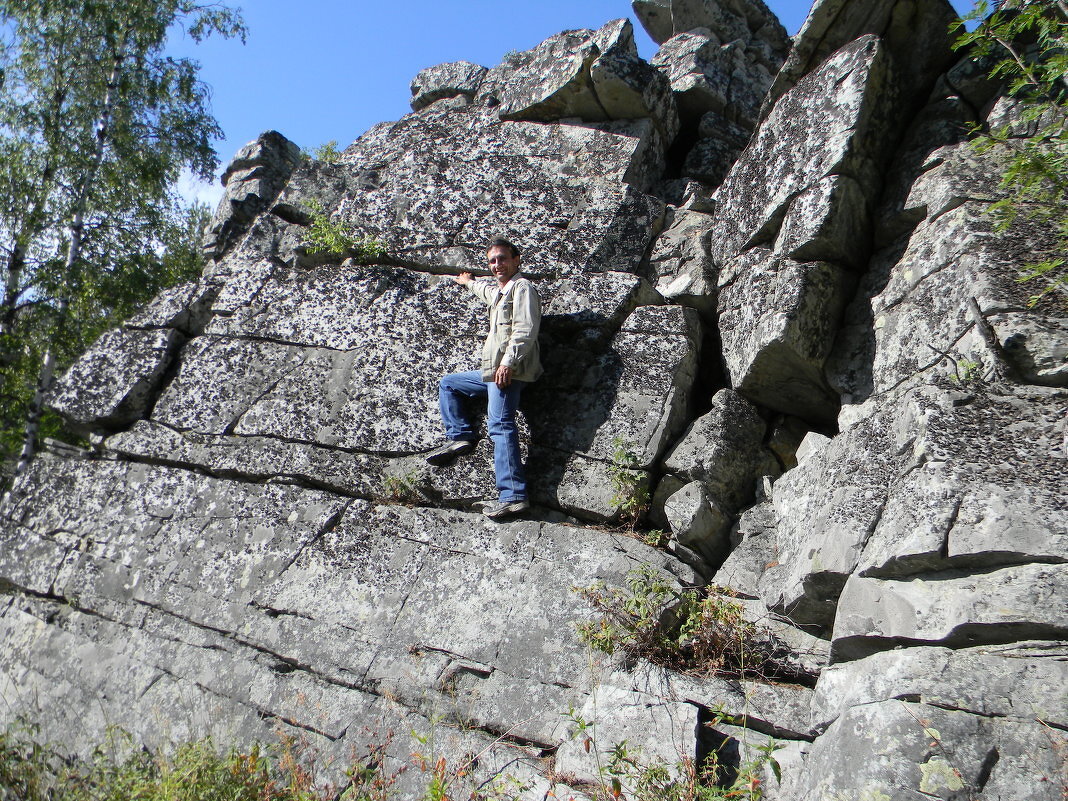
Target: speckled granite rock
x,y
445,80
916,33
335,605
938,487
594,75
724,450
114,382
253,179
749,22
780,203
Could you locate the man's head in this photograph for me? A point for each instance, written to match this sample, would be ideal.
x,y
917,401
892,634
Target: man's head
x,y
503,259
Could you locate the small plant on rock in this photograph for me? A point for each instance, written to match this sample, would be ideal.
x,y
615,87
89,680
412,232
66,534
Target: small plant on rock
x,y
625,775
328,153
967,371
631,491
335,238
402,487
697,631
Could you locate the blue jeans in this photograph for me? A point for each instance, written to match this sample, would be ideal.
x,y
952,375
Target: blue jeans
x,y
507,463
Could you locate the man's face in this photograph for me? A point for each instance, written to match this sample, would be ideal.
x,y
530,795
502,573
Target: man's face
x,y
502,264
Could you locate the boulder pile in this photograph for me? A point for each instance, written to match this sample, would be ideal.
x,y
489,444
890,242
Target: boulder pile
x,y
774,307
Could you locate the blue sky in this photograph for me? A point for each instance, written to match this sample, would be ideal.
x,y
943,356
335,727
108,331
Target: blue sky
x,y
319,70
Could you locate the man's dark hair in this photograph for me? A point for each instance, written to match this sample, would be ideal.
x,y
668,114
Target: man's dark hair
x,y
501,242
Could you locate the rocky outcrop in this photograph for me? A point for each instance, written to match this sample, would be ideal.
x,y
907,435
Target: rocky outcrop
x,y
918,34
811,359
748,22
253,180
460,78
720,58
593,75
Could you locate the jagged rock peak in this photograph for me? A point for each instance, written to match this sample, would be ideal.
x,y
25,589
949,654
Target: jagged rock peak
x,y
591,75
916,33
252,179
456,78
749,22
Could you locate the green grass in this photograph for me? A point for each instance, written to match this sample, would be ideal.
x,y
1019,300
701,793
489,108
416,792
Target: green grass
x,y
119,771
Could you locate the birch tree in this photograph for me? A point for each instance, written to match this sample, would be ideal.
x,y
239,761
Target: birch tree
x,y
96,122
1027,44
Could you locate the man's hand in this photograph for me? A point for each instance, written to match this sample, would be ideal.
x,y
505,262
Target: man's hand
x,y
503,377
463,278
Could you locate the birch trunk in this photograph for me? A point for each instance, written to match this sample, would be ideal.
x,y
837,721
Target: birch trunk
x,y
76,230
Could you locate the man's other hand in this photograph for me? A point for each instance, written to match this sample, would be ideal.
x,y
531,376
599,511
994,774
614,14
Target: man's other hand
x,y
463,278
503,377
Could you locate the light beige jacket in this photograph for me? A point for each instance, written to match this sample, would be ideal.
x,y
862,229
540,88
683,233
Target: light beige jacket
x,y
514,318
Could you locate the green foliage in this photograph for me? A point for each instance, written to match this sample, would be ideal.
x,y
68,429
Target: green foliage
x,y
328,153
335,238
118,771
965,371
1025,46
99,301
403,487
96,124
200,771
629,485
625,775
699,631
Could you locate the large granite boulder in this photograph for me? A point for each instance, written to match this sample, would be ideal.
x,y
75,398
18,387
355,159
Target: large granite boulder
x,y
917,33
724,450
459,78
593,75
924,498
114,382
253,178
748,22
569,193
793,213
708,74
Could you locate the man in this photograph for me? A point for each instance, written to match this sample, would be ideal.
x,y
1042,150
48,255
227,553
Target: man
x,y
510,361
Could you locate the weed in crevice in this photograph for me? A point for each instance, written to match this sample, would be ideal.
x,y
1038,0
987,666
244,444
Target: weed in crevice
x,y
966,371
630,486
402,487
626,775
699,631
368,777
335,238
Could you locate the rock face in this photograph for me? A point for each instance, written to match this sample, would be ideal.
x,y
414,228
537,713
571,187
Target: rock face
x,y
720,57
792,334
460,78
252,180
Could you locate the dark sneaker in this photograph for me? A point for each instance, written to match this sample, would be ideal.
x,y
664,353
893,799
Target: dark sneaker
x,y
449,451
500,510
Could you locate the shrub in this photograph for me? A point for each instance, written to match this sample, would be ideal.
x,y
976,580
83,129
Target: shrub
x,y
698,631
328,152
335,238
630,489
1025,43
